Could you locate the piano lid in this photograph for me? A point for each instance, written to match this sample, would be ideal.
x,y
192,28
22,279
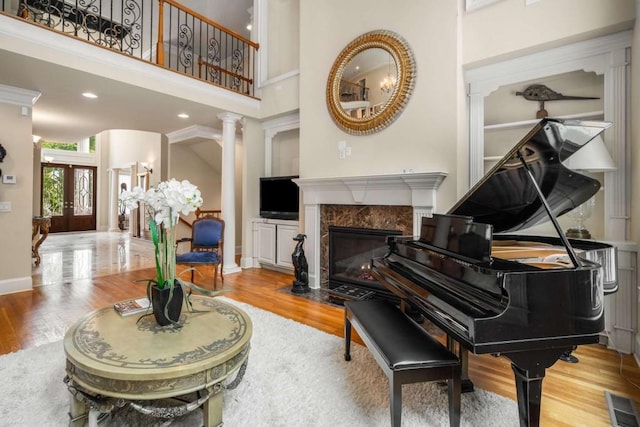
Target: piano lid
x,y
507,199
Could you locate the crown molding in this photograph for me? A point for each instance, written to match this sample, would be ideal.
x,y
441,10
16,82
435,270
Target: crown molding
x,y
194,132
18,96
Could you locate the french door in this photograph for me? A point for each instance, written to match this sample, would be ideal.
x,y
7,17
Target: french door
x,y
68,196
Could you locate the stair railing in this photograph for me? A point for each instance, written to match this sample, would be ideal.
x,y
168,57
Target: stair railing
x,y
183,40
196,41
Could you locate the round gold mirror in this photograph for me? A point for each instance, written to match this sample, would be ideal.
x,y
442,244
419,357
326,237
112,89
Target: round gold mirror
x,y
370,82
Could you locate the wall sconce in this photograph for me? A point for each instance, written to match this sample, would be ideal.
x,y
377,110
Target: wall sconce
x,y
593,157
146,167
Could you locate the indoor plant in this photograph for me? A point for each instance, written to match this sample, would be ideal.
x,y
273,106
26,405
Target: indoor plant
x,y
165,203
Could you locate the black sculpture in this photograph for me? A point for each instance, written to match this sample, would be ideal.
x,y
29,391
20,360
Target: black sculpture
x,y
301,282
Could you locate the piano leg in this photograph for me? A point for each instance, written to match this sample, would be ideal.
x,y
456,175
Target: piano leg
x,y
529,395
567,356
529,369
463,355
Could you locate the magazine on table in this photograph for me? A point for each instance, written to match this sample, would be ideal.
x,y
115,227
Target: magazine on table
x,y
132,306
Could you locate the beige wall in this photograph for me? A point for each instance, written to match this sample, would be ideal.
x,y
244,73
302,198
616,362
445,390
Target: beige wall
x,y
286,153
635,129
129,146
283,37
431,134
186,164
424,137
15,226
510,27
280,82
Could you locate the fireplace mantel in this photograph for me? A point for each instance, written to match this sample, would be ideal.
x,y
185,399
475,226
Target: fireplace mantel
x,y
417,190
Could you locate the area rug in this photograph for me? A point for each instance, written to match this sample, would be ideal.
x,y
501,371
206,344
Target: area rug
x,y
296,376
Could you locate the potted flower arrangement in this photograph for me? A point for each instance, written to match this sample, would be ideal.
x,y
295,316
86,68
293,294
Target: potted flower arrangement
x,y
165,203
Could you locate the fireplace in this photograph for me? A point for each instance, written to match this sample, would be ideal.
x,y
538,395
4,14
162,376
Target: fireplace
x,y
374,201
351,250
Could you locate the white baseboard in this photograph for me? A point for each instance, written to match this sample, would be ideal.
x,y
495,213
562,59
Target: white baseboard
x,y
247,262
17,284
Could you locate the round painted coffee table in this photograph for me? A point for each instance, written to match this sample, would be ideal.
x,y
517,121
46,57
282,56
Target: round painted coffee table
x,y
113,361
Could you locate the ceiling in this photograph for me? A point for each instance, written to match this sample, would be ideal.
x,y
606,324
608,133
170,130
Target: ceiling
x,y
63,114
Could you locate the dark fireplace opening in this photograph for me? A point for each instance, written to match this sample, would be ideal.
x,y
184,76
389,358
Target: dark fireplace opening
x,y
350,253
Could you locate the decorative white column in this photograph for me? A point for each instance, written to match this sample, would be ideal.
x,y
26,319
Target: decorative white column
x,y
617,225
476,138
229,121
114,193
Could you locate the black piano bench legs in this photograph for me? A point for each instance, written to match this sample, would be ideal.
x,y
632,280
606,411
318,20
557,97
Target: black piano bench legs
x,y
405,352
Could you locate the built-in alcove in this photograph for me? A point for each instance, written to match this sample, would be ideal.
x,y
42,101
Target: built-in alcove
x,y
508,117
281,146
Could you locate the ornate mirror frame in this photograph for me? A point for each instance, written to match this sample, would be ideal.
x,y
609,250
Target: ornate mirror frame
x,y
402,55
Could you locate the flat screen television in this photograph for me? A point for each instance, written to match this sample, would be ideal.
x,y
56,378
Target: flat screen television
x,y
279,198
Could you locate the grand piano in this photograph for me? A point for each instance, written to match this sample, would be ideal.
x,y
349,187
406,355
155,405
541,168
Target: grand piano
x,y
525,297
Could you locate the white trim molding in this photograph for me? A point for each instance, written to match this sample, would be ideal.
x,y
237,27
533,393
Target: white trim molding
x,y
18,96
471,5
17,284
195,132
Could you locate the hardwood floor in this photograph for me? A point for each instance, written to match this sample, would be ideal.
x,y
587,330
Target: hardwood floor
x,y
84,271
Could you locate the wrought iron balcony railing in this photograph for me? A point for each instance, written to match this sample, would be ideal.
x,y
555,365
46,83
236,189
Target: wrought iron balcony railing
x,y
159,31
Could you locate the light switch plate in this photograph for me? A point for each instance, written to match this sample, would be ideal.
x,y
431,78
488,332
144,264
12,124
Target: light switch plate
x,y
9,179
5,206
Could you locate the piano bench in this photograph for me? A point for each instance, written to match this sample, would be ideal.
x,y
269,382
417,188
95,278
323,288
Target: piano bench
x,y
405,352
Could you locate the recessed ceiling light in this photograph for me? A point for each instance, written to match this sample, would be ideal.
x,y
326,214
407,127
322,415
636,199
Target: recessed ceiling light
x,y
183,115
89,95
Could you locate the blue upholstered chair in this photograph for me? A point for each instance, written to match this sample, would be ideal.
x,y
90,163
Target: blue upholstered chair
x,y
207,235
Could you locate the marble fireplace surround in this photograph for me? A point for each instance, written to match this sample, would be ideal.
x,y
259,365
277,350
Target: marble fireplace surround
x,y
416,190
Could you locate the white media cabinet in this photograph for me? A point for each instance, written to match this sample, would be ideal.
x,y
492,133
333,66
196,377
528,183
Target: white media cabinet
x,y
273,242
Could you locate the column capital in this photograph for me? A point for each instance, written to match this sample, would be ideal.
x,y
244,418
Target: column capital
x,y
229,117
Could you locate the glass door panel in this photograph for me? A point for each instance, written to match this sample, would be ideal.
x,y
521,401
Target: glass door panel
x,y
68,197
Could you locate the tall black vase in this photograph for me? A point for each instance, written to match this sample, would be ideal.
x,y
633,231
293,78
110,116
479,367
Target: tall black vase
x,y
160,300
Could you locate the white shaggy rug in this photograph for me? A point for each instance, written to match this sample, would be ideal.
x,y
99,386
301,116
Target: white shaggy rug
x,y
296,376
